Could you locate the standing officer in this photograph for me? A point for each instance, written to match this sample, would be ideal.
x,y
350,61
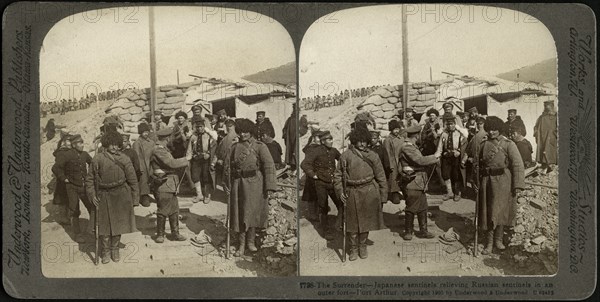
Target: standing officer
x,y
414,183
320,166
71,170
250,180
501,177
164,167
365,193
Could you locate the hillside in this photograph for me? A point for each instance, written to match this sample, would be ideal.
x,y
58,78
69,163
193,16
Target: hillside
x,y
284,74
541,72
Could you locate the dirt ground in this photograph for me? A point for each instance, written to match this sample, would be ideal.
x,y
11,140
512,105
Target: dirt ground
x,y
390,255
140,255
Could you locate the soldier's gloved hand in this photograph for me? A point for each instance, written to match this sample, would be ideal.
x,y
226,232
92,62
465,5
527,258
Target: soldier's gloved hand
x,y
315,177
66,180
455,153
344,198
206,156
95,201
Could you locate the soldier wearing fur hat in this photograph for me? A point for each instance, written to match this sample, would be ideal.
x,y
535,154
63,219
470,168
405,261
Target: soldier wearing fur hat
x,y
320,166
364,117
112,185
365,193
71,169
166,186
249,178
414,183
223,148
144,146
392,145
501,178
200,154
451,146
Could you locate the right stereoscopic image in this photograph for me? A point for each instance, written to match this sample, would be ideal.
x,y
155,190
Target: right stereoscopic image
x,y
430,145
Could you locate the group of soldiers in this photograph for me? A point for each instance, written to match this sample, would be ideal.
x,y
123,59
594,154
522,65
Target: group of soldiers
x,y
336,99
487,152
64,105
204,150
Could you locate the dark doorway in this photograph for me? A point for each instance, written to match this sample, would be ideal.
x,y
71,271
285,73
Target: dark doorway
x,y
228,104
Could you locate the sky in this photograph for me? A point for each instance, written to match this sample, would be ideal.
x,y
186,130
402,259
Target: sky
x,y
109,49
362,47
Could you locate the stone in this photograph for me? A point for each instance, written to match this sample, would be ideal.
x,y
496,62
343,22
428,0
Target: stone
x,y
539,239
174,92
519,228
521,200
426,90
537,203
167,88
291,241
387,107
392,100
271,230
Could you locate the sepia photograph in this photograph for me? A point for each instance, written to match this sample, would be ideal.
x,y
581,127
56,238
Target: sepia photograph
x,y
168,144
430,143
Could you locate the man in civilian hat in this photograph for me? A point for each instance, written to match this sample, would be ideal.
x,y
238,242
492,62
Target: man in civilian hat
x,y
263,124
448,107
365,193
197,111
514,122
71,170
451,146
128,150
501,178
250,181
144,146
393,144
112,186
414,183
408,120
164,166
546,137
200,154
320,166
364,116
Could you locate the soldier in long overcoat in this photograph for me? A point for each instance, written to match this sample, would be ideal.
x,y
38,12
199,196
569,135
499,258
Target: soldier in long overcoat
x,y
112,186
393,144
60,190
309,193
164,169
415,182
144,146
223,148
546,136
249,176
501,177
365,193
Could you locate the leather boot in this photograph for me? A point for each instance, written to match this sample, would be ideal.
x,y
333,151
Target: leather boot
x,y
449,193
160,228
79,238
207,196
242,244
353,240
498,234
409,224
114,248
199,196
105,248
362,245
422,218
174,224
63,216
250,237
490,242
327,233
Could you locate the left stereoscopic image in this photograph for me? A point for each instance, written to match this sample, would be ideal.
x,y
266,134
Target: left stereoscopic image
x,y
168,144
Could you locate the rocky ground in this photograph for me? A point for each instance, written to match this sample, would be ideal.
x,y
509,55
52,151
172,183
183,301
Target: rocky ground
x,y
140,255
531,244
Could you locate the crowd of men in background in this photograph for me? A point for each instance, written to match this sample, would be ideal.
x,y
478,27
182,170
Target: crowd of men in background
x,y
65,105
456,147
336,99
203,150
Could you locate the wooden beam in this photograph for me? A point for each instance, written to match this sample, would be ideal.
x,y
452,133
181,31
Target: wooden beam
x,y
152,64
404,61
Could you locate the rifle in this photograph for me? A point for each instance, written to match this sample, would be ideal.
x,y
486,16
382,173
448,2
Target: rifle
x,y
228,221
344,220
475,165
96,227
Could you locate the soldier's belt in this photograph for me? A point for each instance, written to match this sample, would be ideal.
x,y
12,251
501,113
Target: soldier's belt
x,y
111,186
492,171
360,182
243,174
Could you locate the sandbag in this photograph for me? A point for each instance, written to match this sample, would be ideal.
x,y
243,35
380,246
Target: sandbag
x,y
167,88
384,93
426,90
419,85
387,107
140,103
392,100
126,117
174,92
376,100
135,110
133,97
175,99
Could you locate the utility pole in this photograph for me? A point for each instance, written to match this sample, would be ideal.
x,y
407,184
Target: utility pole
x,y
404,61
177,76
152,64
430,75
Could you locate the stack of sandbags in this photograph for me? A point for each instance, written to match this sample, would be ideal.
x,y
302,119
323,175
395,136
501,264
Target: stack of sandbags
x,y
384,102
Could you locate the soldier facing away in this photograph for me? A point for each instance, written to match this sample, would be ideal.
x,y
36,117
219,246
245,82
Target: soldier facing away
x,y
250,180
365,193
112,185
